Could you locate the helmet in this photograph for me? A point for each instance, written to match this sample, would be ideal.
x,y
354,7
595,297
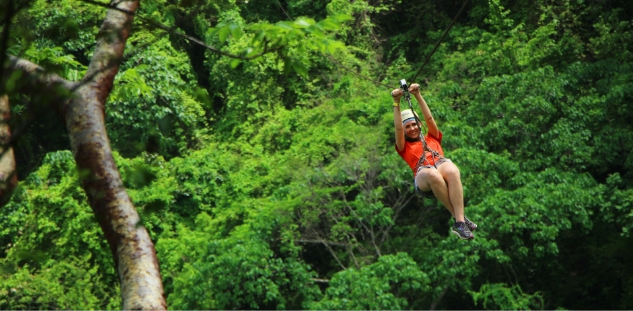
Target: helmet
x,y
407,115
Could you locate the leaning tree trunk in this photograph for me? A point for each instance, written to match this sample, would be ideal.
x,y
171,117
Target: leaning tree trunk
x,y
84,113
133,250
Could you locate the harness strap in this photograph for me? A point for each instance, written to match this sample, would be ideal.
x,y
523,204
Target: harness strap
x,y
426,148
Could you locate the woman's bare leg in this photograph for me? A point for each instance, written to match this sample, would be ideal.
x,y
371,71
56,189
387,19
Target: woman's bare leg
x,y
450,173
431,179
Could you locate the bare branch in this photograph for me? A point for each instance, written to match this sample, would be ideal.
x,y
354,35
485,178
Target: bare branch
x,y
330,250
362,223
438,299
324,242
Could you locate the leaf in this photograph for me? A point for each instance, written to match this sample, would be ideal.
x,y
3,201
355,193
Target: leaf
x,y
13,81
285,25
334,45
236,31
342,17
300,68
212,31
316,30
251,51
223,33
235,62
304,22
329,24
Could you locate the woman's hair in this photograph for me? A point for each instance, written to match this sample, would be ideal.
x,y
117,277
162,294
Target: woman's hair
x,y
407,116
406,137
412,140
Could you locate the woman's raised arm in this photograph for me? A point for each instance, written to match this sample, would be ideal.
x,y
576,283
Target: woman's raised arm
x,y
428,117
397,119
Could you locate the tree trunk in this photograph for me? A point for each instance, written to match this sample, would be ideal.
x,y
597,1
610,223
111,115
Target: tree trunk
x,y
131,246
133,250
84,113
8,173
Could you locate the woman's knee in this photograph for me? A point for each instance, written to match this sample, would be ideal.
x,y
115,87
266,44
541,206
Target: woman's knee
x,y
426,177
449,171
430,176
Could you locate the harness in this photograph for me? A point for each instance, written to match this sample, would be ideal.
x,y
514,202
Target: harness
x,y
425,146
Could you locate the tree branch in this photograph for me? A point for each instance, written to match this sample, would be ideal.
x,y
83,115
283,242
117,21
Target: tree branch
x,y
360,221
175,32
321,241
330,250
397,207
210,48
436,301
36,77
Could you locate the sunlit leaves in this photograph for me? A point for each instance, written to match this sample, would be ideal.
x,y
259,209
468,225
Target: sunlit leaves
x,y
153,99
379,286
54,60
131,84
68,284
493,296
265,170
55,243
303,34
615,37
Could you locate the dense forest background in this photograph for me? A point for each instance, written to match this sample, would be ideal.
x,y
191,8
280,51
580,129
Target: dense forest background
x,y
273,183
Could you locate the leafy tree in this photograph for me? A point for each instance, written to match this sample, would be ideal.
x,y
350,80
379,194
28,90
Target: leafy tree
x,y
271,181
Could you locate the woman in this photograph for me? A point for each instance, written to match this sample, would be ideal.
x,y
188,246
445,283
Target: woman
x,y
433,174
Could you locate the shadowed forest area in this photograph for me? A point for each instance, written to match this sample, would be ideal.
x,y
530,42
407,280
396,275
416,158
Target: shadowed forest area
x,y
255,148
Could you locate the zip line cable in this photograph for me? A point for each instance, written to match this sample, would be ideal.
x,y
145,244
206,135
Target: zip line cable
x,y
425,61
440,41
282,8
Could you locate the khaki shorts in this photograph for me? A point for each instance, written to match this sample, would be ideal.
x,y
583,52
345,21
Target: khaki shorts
x,y
428,194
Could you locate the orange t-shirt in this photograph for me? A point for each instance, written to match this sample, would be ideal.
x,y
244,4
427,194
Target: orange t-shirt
x,y
413,150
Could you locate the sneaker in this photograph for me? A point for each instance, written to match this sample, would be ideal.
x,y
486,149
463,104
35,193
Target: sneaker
x,y
462,231
471,225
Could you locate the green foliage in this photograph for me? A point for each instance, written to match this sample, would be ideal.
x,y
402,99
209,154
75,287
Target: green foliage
x,y
154,106
261,277
56,256
47,24
278,36
55,61
387,284
273,183
499,296
617,206
70,284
